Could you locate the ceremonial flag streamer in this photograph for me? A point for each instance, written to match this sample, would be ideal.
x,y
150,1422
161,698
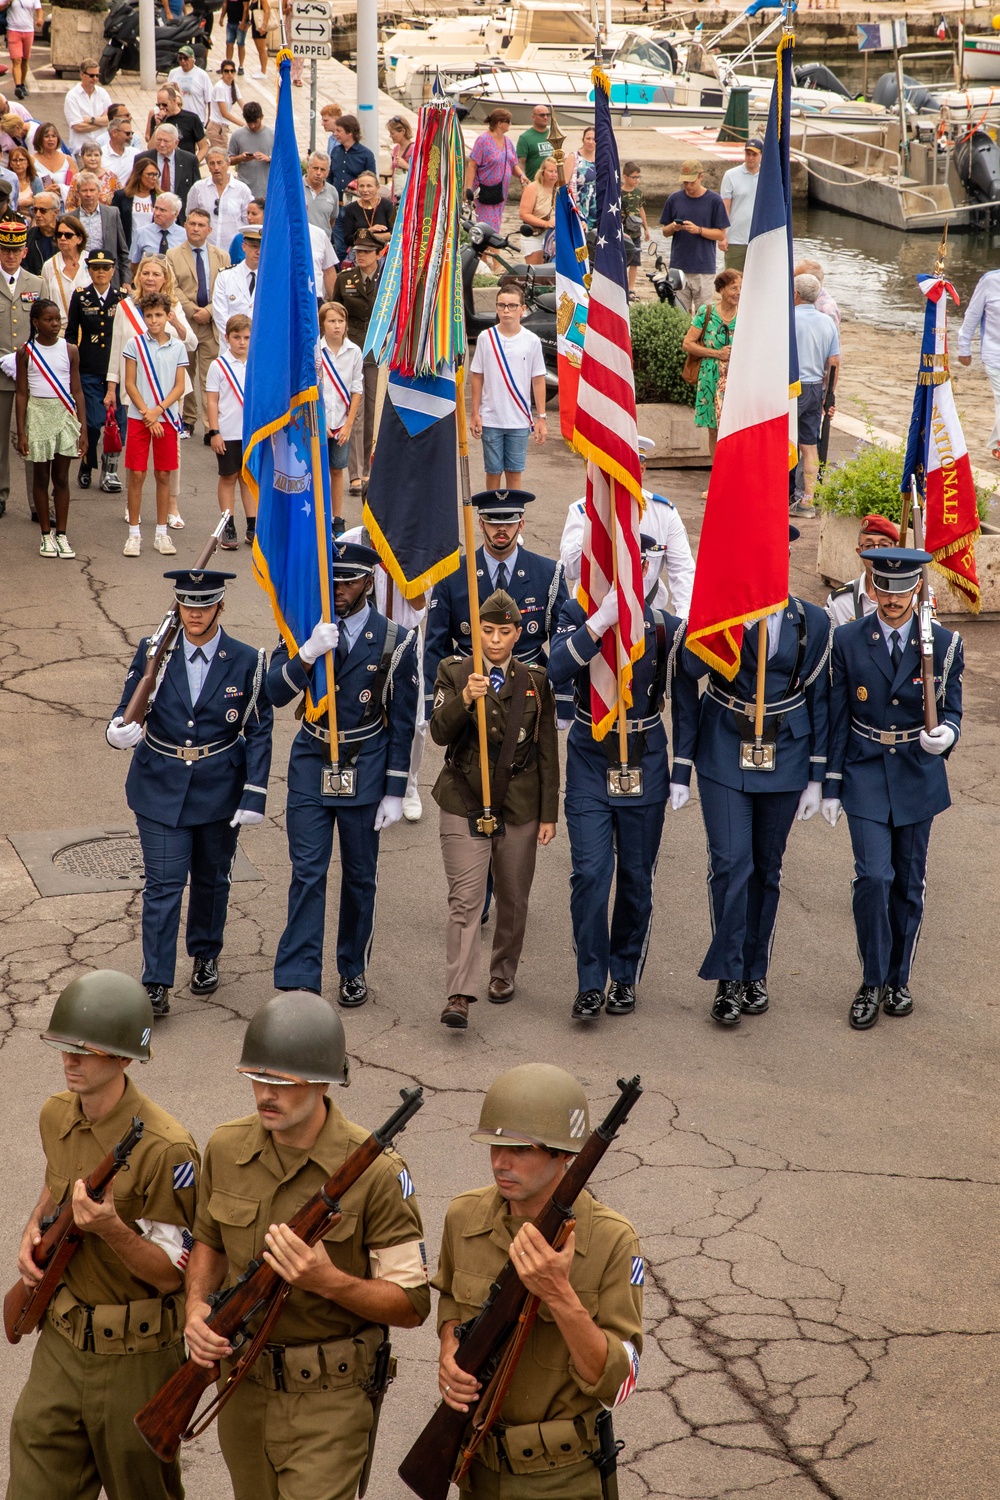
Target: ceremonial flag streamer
x,y
571,305
605,433
281,382
742,569
417,330
936,455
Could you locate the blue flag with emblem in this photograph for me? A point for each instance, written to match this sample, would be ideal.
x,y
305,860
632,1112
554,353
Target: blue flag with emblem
x,y
291,552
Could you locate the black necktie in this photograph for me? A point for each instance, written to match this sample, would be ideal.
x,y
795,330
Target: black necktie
x,y
343,647
895,652
199,265
164,242
198,655
253,281
502,576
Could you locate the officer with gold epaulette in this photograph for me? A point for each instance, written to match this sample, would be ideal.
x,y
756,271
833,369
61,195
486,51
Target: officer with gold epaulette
x,y
524,796
112,1334
18,290
582,1354
90,325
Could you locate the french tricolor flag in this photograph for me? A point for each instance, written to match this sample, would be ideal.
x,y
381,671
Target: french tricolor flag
x,y
742,569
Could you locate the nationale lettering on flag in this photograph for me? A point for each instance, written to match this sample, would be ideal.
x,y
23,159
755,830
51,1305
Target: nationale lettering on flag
x,y
742,569
571,305
605,433
936,454
280,384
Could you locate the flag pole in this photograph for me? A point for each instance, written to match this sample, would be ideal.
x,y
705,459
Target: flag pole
x,y
322,548
622,723
487,824
758,716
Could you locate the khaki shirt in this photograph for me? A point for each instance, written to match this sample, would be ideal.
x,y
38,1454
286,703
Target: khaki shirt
x,y
15,312
249,1183
533,790
158,1182
606,1276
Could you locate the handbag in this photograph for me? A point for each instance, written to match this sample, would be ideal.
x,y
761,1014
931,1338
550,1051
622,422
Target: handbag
x,y
112,435
491,192
689,374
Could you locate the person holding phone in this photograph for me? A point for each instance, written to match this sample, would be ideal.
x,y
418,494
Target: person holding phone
x,y
694,219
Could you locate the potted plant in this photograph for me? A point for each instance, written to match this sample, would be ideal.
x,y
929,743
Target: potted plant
x,y
665,402
77,31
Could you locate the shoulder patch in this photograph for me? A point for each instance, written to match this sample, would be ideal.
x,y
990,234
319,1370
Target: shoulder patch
x,y
638,1275
405,1183
184,1175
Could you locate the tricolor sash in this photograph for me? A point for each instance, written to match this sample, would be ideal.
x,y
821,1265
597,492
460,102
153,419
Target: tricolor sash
x,y
335,379
232,379
496,344
145,359
134,316
51,378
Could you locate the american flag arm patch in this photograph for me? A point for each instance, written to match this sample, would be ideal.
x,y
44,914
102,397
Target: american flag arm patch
x,y
638,1276
406,1183
184,1176
631,1380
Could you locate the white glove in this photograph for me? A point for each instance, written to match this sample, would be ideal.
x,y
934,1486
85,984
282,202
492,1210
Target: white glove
x,y
121,735
680,796
389,811
831,810
244,818
606,614
809,802
323,639
937,741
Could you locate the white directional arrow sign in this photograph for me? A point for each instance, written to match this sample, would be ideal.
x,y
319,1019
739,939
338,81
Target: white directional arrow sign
x,y
312,30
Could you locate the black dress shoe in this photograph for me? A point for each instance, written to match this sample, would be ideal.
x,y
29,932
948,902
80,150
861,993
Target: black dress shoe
x,y
159,999
353,991
897,1001
864,1006
83,478
588,1005
204,976
3,508
727,1007
621,998
754,1002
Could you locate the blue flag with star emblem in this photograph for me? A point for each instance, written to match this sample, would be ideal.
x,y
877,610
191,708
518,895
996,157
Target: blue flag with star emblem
x,y
281,400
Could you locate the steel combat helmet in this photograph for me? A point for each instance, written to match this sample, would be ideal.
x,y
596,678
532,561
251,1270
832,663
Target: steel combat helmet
x,y
295,1038
104,1012
535,1105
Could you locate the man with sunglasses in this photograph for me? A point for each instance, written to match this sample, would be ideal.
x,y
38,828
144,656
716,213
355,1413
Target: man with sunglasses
x,y
223,198
86,109
119,154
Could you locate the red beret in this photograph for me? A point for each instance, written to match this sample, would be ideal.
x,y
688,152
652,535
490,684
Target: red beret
x,y
880,526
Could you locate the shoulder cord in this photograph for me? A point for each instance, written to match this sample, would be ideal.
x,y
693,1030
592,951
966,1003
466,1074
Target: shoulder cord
x,y
948,660
258,678
550,602
822,661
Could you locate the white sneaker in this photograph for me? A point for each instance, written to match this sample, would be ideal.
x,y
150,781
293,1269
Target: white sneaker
x,y
132,547
62,545
175,522
412,807
162,543
48,545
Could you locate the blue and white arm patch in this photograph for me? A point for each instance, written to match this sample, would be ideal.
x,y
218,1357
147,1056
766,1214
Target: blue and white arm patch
x,y
184,1175
638,1276
406,1183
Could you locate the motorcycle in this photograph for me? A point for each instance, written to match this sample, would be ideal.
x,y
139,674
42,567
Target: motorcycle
x,y
121,35
538,283
667,281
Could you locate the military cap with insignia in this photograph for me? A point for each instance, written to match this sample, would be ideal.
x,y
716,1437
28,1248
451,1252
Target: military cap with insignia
x,y
198,588
100,258
365,240
13,229
896,570
352,560
500,609
502,505
252,232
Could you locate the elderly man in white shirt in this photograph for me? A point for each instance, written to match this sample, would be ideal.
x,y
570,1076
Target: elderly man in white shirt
x,y
86,109
223,198
119,155
982,316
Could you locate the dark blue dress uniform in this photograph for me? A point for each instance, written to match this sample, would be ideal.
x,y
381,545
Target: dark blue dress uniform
x,y
535,583
890,787
197,764
748,814
374,736
598,823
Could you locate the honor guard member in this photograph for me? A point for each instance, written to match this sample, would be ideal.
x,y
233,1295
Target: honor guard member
x,y
749,812
887,771
582,1354
535,583
524,795
377,685
298,1427
90,325
112,1334
661,520
614,817
198,774
855,600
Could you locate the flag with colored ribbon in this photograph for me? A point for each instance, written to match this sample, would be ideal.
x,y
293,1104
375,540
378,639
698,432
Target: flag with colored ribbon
x,y
742,569
417,330
281,391
571,305
936,454
605,433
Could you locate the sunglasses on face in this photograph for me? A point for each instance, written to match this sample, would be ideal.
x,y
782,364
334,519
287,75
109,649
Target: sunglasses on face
x,y
91,75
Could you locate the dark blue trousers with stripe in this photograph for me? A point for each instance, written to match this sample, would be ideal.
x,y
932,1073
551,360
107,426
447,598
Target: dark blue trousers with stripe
x,y
206,853
619,843
890,872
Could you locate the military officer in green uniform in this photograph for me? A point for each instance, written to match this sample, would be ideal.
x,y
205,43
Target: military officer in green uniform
x,y
524,785
298,1426
18,290
582,1354
112,1332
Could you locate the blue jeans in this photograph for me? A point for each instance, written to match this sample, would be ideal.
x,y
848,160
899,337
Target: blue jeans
x,y
505,449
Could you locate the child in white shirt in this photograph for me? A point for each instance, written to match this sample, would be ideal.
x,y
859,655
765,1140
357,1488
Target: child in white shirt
x,y
343,384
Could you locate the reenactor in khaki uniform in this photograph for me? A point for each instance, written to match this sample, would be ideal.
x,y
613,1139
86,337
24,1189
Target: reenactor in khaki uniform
x,y
524,782
582,1354
112,1332
18,290
297,1428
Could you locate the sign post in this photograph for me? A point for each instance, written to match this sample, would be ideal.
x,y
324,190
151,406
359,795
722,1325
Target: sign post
x,y
310,34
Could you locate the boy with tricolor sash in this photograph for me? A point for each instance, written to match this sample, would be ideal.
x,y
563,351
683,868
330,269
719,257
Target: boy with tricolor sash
x,y
342,367
154,383
224,385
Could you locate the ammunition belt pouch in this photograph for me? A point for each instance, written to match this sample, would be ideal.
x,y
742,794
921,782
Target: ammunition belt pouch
x,y
537,1447
190,752
142,1327
330,1366
887,736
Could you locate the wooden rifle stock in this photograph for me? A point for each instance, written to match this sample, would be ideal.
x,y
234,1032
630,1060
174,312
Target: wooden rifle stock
x,y
164,639
24,1306
166,1421
428,1467
925,617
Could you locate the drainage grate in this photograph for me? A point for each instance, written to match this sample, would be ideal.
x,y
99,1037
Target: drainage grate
x,y
118,857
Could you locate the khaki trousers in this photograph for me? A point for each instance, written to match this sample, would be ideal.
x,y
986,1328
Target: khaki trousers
x,y
575,1482
201,358
6,438
466,865
363,434
285,1445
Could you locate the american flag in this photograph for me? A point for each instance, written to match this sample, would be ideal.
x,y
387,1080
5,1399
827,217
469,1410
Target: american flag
x,y
628,1385
605,433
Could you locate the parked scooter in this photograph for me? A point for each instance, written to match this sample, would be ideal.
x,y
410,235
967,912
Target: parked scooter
x,y
667,281
121,35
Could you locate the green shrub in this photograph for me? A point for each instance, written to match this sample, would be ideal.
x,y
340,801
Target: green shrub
x,y
869,484
657,356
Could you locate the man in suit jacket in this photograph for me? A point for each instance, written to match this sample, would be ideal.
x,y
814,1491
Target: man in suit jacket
x,y
41,236
103,225
195,265
18,290
178,170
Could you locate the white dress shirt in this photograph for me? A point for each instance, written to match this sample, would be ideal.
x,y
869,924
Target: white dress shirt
x,y
227,210
234,293
660,520
79,106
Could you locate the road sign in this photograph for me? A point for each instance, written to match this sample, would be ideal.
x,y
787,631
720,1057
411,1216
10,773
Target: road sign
x,y
881,36
311,9
311,30
312,49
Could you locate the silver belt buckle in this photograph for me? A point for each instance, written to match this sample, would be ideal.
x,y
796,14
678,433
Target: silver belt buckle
x,y
186,753
754,757
624,781
339,782
887,737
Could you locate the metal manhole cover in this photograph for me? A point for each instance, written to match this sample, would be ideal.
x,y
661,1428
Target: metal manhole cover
x,y
97,859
